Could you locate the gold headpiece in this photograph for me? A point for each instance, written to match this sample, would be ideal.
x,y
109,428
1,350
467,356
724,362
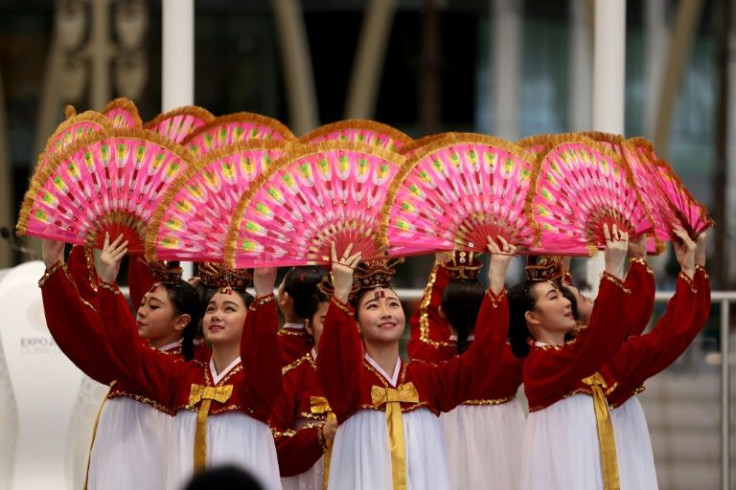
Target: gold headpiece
x,y
375,273
215,275
544,268
464,265
165,272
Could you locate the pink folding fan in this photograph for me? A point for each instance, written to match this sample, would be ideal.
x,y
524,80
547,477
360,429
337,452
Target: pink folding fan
x,y
194,216
676,204
75,127
413,147
365,131
457,191
233,128
317,195
178,124
580,186
105,182
123,113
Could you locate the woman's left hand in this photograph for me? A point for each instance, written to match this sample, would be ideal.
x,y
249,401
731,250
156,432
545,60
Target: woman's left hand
x,y
500,258
111,256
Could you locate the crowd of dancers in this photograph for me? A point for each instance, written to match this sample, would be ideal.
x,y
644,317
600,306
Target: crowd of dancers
x,y
201,374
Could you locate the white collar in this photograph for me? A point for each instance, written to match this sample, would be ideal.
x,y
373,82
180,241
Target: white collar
x,y
453,337
170,346
294,326
314,354
216,378
393,380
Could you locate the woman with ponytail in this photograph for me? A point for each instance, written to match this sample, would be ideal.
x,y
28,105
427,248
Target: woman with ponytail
x,y
483,434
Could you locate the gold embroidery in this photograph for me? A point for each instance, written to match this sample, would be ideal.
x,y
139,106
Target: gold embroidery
x,y
424,315
344,307
642,262
689,282
305,358
290,332
261,300
496,299
496,401
110,287
50,271
615,280
702,269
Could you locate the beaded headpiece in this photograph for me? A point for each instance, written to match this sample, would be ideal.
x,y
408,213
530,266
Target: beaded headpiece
x,y
544,268
375,274
464,265
215,275
165,272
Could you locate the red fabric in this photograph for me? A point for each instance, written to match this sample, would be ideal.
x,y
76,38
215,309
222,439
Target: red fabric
x,y
640,280
644,356
140,279
553,372
297,450
256,381
437,347
347,378
294,343
81,265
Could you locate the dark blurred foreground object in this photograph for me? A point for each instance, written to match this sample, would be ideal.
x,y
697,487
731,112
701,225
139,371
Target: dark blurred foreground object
x,y
224,478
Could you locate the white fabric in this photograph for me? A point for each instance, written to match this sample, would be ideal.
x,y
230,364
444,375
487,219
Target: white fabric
x,y
561,449
483,444
293,326
130,447
633,447
232,438
170,346
217,377
392,379
313,478
361,458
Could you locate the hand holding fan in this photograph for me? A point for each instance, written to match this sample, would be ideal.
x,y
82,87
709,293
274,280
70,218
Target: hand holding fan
x,y
233,128
102,183
123,114
579,187
316,195
193,219
457,191
178,124
364,131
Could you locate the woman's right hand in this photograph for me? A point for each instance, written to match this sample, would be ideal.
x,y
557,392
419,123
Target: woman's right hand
x,y
342,271
111,256
617,245
52,252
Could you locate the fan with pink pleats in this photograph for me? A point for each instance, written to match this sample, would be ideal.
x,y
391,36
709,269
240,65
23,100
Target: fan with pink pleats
x,y
75,127
457,191
178,124
105,182
578,187
316,195
233,128
364,131
194,216
677,204
415,145
123,113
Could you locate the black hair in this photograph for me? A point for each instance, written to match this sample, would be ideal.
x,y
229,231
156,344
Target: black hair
x,y
520,300
461,302
185,301
570,296
210,292
312,304
301,283
223,478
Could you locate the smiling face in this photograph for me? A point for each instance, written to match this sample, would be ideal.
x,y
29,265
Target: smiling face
x,y
381,318
552,312
224,319
584,303
156,318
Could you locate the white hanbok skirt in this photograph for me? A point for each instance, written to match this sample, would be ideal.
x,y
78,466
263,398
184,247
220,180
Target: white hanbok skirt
x,y
233,438
313,478
484,445
130,447
361,458
633,447
561,449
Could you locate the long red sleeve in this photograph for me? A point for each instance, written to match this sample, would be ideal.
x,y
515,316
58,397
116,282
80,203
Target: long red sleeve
x,y
551,372
140,279
644,356
81,265
640,306
429,330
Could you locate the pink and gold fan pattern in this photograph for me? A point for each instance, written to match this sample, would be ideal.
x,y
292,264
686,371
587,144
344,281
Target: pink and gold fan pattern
x,y
193,221
332,192
234,128
363,131
77,126
580,187
178,124
103,183
458,191
123,114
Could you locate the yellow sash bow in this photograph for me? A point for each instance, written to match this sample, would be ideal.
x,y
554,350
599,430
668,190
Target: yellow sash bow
x,y
205,394
392,398
318,405
609,462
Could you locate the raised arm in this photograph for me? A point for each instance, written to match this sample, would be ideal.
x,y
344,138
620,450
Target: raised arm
x,y
640,281
340,349
259,346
